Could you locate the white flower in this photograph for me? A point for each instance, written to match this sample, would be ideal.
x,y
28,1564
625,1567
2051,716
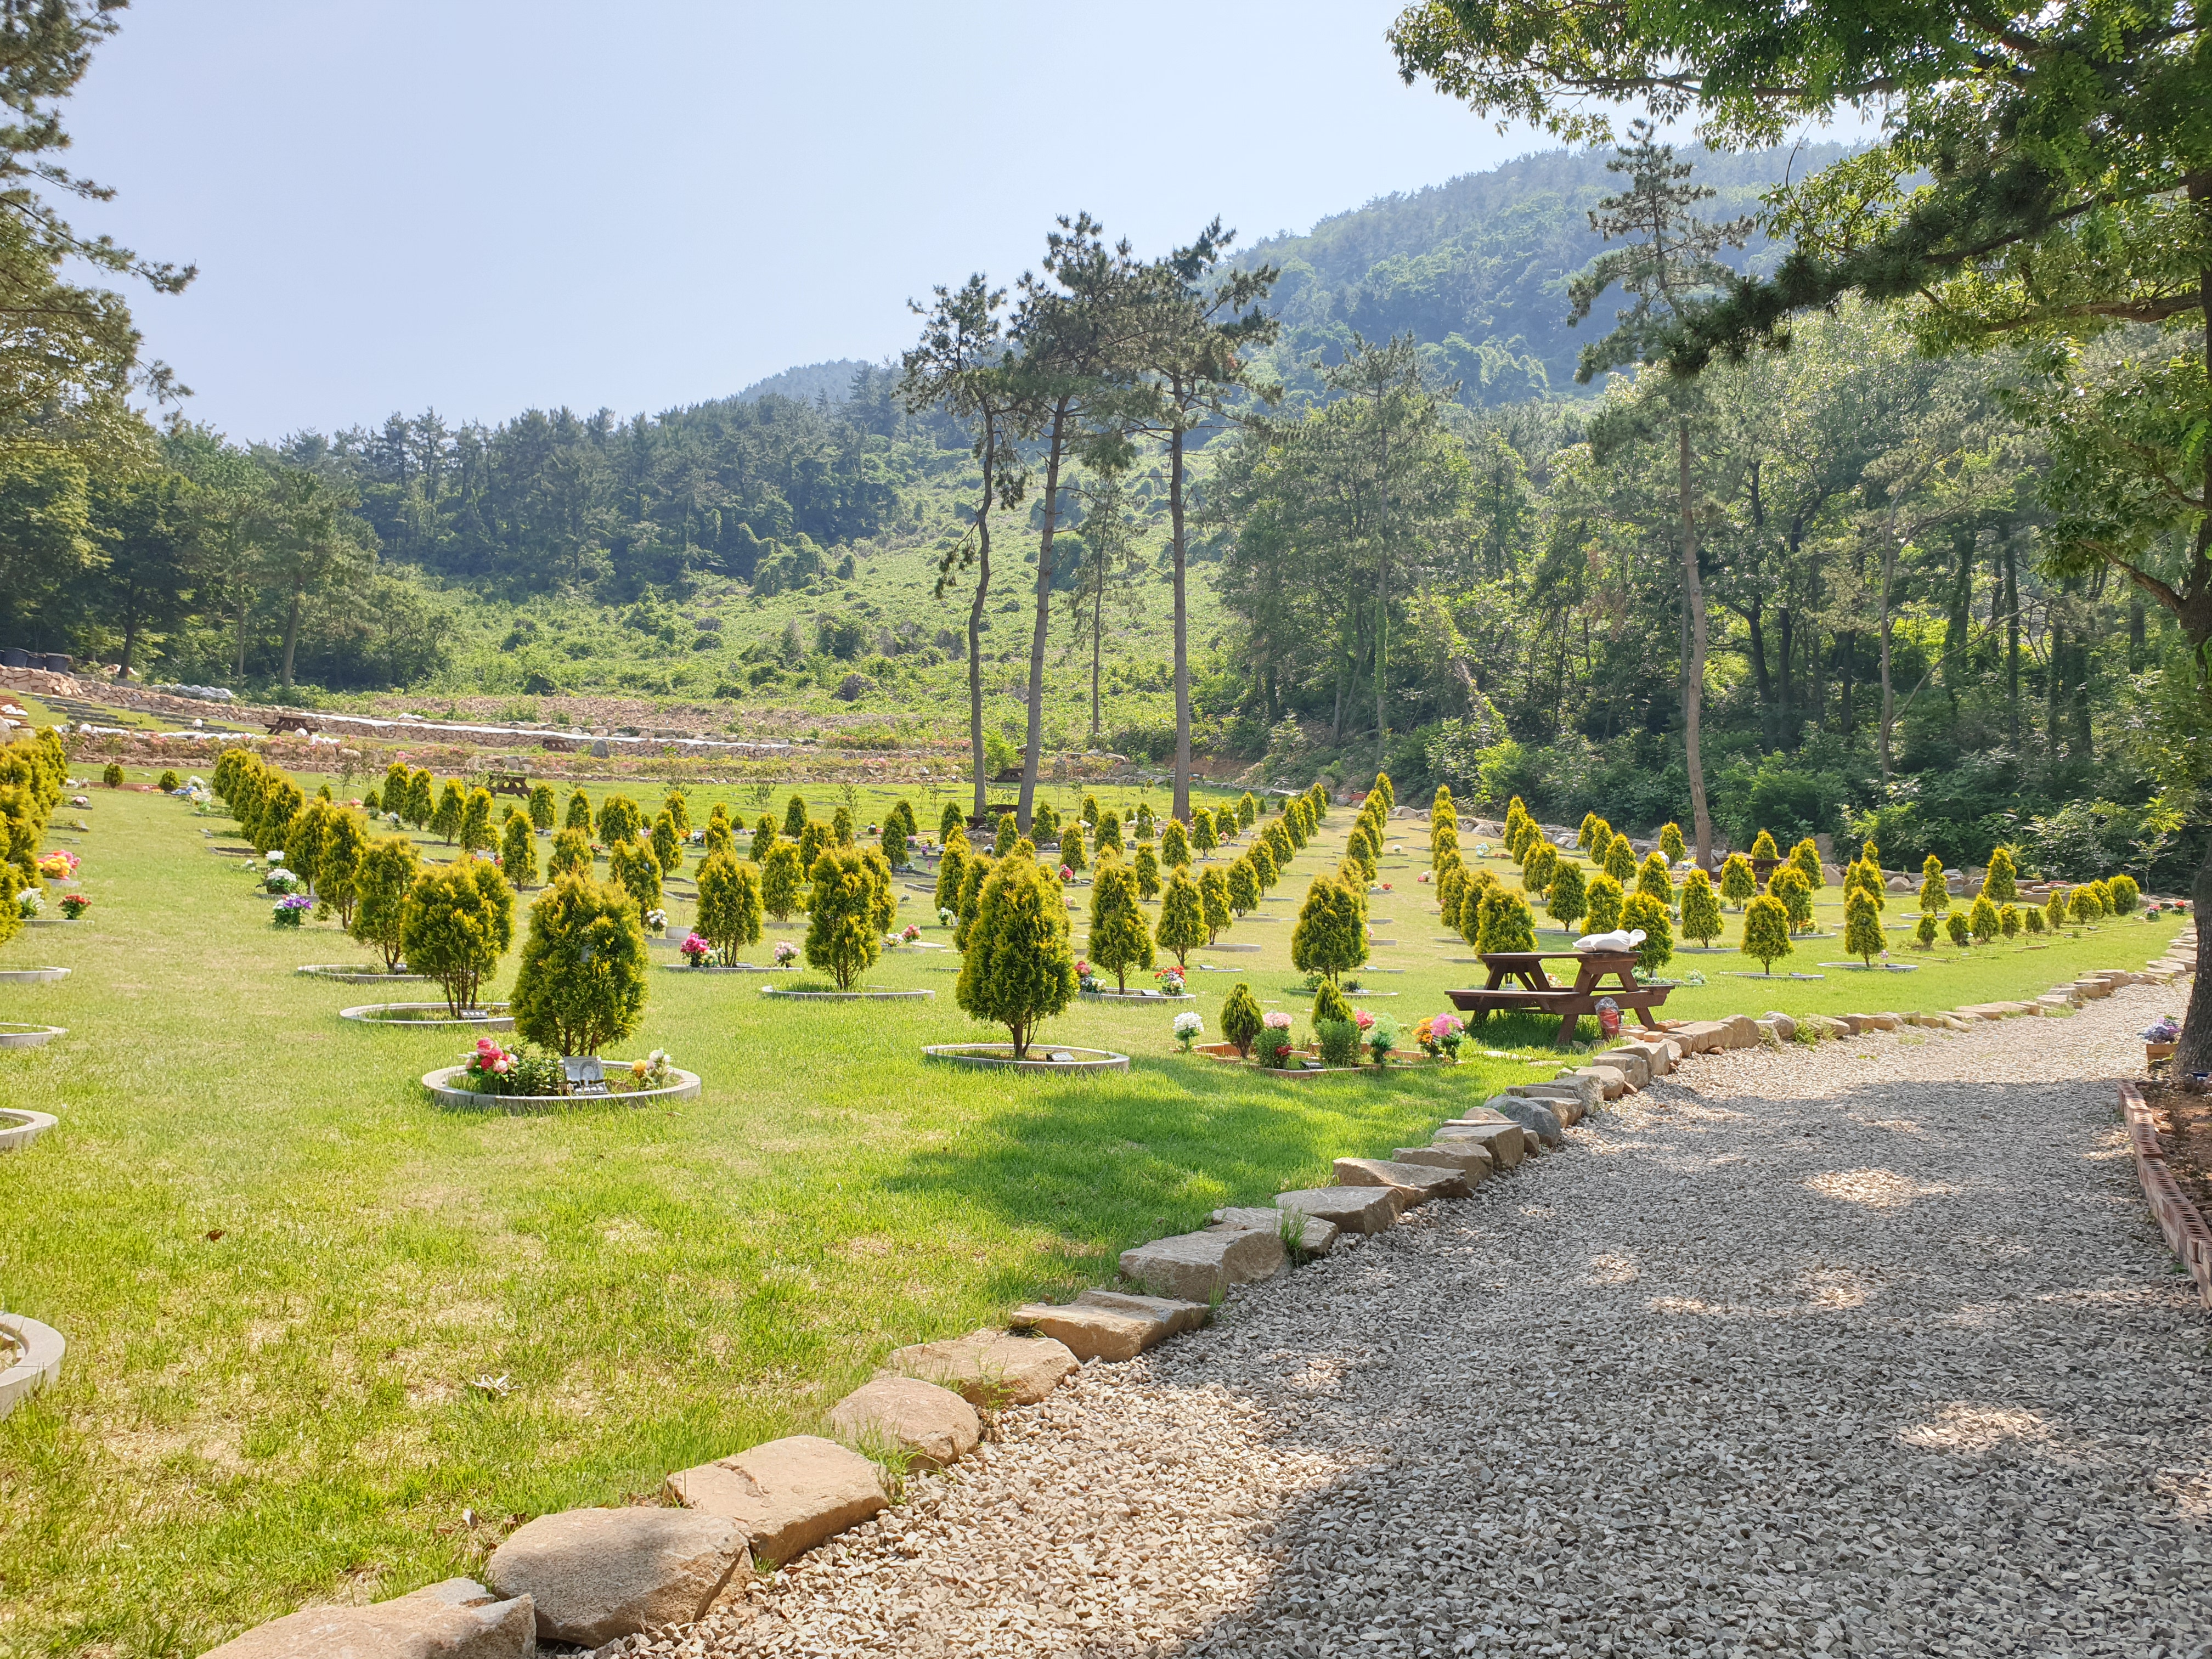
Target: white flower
x,y
1187,1023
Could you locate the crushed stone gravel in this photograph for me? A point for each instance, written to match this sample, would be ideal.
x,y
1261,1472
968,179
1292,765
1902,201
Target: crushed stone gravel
x,y
1870,1348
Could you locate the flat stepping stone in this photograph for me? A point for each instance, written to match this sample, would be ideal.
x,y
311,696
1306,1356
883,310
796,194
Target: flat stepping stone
x,y
1315,1235
1504,1140
1092,1333
786,1495
595,1574
933,1426
1409,1184
988,1368
1470,1159
458,1617
1177,1314
1201,1266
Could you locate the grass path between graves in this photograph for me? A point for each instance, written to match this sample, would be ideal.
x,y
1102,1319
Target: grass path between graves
x,y
281,1271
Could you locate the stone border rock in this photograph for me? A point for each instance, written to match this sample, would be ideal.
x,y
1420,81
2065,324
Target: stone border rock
x,y
19,1126
38,1350
57,922
2185,1230
32,975
519,1105
347,973
18,1035
1153,998
365,1014
999,1056
782,995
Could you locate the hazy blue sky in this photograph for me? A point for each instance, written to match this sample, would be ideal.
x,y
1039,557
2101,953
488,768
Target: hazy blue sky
x,y
478,206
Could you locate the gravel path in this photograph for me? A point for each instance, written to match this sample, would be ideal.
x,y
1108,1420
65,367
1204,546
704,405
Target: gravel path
x,y
1871,1348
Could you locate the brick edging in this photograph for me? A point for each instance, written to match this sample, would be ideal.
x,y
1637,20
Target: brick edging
x,y
2186,1234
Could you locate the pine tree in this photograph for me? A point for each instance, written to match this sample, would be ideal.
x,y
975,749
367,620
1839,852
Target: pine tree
x,y
1203,835
1174,844
1264,868
1331,935
1620,861
841,827
814,842
1244,886
794,817
1567,899
1739,885
1330,1003
894,842
948,821
1591,821
631,866
1934,896
580,985
388,866
571,856
619,820
783,879
1670,842
1763,846
1071,847
730,904
1182,914
1701,908
452,807
1243,1019
1643,910
1653,880
1863,936
2009,921
851,908
1766,931
667,844
579,815
1955,926
1019,970
1109,833
517,853
542,809
1359,848
422,803
1147,865
1506,923
1247,810
1982,919
1926,930
476,832
1788,884
1807,857
1606,900
678,811
455,925
1214,901
765,837
2000,884
1119,940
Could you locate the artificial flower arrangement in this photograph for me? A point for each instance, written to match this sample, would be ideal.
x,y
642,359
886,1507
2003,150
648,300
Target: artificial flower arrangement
x,y
492,1070
1440,1036
281,880
60,865
909,934
656,921
695,950
1086,978
1188,1027
945,914
74,905
29,902
1381,1035
652,1072
1066,874
291,910
786,953
1274,1037
1170,982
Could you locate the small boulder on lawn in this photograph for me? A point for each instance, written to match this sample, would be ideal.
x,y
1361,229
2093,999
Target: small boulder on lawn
x,y
594,1575
1410,1183
1534,1120
458,1619
1348,1209
1201,1266
788,1494
988,1368
934,1426
1315,1235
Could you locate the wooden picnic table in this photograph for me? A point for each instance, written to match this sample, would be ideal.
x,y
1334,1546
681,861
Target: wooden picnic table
x,y
1534,988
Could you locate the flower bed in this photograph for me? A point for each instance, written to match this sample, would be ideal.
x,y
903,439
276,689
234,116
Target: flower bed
x,y
30,976
1001,1056
434,1016
16,1036
448,1087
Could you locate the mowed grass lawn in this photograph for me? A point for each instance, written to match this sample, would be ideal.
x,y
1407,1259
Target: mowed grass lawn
x,y
281,1270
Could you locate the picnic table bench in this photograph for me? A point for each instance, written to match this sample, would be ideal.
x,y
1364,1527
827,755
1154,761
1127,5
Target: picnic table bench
x,y
507,783
1536,990
298,723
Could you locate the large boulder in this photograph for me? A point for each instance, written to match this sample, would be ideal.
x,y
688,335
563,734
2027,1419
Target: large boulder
x,y
1784,1027
594,1575
1701,1037
1315,1235
988,1368
1409,1184
788,1495
1535,1120
458,1619
1349,1209
934,1426
1201,1267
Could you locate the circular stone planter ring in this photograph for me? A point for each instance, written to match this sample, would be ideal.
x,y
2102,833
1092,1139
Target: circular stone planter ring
x,y
13,1036
20,1127
443,1089
782,995
352,973
32,1355
32,975
429,1016
999,1056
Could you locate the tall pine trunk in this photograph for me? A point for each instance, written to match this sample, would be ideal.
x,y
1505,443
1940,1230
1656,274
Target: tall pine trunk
x,y
1693,674
1181,810
975,626
1035,746
291,633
